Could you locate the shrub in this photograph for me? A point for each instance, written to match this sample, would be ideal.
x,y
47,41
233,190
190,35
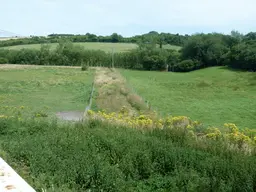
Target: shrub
x,y
24,56
172,59
84,67
153,62
242,56
3,60
186,65
208,49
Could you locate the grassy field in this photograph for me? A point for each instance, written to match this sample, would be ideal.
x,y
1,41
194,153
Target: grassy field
x,y
46,89
95,155
117,47
213,96
8,38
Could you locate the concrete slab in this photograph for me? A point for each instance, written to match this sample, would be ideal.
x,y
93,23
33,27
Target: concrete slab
x,y
10,181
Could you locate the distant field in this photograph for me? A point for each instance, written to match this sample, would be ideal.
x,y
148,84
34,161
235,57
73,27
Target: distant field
x,y
118,47
8,38
214,96
5,38
44,88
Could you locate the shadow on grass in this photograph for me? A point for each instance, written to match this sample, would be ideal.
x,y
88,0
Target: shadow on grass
x,y
234,69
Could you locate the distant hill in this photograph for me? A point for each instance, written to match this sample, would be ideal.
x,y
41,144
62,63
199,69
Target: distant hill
x,y
9,35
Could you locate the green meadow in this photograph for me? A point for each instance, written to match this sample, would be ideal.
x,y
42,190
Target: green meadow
x,y
213,96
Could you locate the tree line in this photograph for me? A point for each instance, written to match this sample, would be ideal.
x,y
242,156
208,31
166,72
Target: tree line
x,y
162,38
205,50
199,51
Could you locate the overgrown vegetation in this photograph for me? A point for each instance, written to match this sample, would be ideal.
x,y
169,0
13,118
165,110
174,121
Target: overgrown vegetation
x,y
236,51
99,156
112,93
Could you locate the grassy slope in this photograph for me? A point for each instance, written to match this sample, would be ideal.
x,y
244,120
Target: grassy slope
x,y
101,157
118,47
214,95
45,87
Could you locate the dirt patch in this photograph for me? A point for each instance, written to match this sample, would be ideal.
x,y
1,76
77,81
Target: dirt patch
x,y
71,115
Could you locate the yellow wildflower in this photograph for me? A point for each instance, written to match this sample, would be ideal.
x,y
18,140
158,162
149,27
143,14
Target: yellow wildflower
x,y
90,112
232,127
213,133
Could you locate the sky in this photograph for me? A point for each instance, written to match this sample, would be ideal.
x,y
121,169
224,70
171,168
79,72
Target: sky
x,y
128,18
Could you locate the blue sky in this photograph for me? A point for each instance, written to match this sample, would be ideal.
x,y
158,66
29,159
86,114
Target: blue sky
x,y
129,17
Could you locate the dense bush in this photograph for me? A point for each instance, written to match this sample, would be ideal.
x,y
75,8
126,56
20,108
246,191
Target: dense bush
x,y
101,157
173,58
66,53
24,56
84,67
128,60
3,60
243,56
208,49
216,49
153,62
153,58
186,66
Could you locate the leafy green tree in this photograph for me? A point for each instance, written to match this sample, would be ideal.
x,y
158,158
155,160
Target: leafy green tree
x,y
250,36
44,57
242,56
208,49
237,35
92,37
154,62
172,59
114,38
